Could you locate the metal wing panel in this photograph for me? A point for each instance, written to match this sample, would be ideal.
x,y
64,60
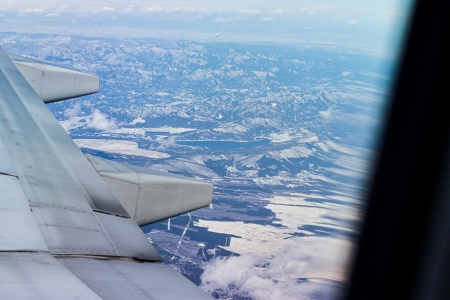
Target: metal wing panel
x,y
151,195
54,83
173,195
59,149
128,238
39,276
44,178
73,231
6,164
51,168
18,228
37,162
131,280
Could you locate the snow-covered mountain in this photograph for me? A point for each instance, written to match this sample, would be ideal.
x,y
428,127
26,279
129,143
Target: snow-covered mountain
x,y
284,132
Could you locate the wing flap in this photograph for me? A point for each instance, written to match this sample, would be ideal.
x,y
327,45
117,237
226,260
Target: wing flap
x,y
131,280
39,276
18,228
6,164
135,244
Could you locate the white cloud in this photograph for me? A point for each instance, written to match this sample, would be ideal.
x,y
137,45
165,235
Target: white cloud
x,y
96,120
326,113
353,21
99,121
235,270
312,10
108,9
154,9
53,14
226,20
73,120
129,9
280,11
33,11
317,10
249,11
320,262
62,40
189,9
267,19
73,111
58,40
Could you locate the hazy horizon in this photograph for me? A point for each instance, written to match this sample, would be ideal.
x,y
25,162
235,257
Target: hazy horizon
x,y
373,28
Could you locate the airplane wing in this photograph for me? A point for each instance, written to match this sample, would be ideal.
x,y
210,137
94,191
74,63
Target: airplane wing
x,y
69,224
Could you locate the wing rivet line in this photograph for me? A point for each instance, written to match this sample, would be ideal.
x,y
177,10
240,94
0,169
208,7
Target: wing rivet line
x,y
12,175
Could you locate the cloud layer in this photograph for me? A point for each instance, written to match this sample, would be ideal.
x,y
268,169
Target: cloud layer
x,y
95,120
306,268
250,21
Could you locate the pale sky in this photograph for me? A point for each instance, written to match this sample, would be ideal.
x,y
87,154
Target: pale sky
x,y
350,23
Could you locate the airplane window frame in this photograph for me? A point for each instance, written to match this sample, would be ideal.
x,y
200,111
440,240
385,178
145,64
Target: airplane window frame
x,y
405,241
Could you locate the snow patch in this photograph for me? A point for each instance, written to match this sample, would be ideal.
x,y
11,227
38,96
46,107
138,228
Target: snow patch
x,y
118,146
